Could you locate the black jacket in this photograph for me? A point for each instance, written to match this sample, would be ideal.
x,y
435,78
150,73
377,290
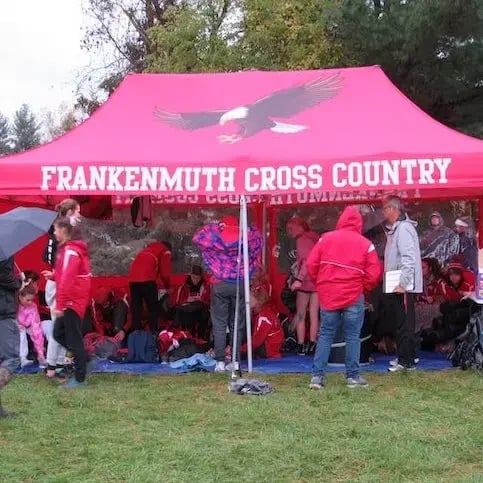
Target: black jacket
x,y
9,284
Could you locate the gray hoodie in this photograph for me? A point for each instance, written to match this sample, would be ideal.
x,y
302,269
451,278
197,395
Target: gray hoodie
x,y
403,253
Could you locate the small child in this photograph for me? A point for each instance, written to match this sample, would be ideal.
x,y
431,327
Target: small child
x,y
28,320
268,336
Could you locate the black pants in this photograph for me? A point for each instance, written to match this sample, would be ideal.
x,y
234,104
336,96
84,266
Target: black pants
x,y
68,333
193,317
402,309
144,292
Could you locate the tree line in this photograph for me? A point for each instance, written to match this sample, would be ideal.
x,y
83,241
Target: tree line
x,y
431,49
25,130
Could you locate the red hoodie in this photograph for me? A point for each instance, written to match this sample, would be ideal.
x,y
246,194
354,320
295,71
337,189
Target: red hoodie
x,y
344,264
153,264
267,331
73,277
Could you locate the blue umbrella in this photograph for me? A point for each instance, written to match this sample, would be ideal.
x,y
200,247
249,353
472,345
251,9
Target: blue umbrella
x,y
22,226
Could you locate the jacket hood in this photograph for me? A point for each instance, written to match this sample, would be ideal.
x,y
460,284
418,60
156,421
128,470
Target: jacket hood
x,y
350,219
157,248
80,246
438,215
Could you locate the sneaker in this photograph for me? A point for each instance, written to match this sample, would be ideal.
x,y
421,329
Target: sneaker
x,y
395,362
73,384
300,349
232,366
316,382
400,368
220,366
26,362
358,381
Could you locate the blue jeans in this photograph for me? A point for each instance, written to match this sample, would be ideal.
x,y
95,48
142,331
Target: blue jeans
x,y
9,344
352,318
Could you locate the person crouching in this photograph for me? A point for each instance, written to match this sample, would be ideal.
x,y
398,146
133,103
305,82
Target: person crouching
x,y
267,338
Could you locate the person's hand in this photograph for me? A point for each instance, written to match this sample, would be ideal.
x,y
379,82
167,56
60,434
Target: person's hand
x,y
296,285
57,313
48,274
119,337
399,289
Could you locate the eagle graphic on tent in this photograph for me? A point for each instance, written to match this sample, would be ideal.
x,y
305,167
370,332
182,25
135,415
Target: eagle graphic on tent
x,y
261,114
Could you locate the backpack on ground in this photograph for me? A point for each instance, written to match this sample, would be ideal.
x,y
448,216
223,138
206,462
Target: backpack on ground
x,y
468,351
141,347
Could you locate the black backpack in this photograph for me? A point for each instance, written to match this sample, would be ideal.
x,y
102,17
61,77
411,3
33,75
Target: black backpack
x,y
468,351
141,347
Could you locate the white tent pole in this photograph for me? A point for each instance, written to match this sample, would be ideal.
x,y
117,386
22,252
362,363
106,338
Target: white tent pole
x,y
246,278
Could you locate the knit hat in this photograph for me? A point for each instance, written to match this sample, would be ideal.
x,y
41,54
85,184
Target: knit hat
x,y
455,267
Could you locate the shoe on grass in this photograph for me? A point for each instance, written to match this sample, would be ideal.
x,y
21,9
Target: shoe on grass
x,y
401,368
316,382
395,362
220,366
358,381
73,383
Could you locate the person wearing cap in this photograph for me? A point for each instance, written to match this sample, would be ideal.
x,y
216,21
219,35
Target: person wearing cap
x,y
467,246
402,254
218,243
192,304
151,268
439,241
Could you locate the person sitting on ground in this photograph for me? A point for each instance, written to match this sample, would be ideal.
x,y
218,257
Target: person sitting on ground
x,y
454,287
427,303
29,323
192,304
149,270
268,336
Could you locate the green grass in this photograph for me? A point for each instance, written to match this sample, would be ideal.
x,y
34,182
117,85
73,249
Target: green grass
x,y
405,427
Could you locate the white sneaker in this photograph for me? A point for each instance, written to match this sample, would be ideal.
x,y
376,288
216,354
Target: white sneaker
x,y
395,362
232,366
220,366
399,368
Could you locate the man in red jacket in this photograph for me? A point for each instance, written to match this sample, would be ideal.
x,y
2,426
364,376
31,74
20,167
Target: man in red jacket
x,y
150,268
344,266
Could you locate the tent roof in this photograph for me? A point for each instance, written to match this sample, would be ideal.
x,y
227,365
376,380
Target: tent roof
x,y
353,131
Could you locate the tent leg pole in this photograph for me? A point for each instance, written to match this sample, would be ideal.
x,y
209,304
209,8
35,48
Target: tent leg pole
x,y
246,279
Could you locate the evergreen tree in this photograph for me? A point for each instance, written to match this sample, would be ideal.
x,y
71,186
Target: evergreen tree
x,y
5,146
25,130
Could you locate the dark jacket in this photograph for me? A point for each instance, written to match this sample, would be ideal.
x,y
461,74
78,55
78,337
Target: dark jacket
x,y
50,251
9,284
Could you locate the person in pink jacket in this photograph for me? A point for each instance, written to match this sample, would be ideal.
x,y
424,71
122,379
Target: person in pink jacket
x,y
304,286
28,320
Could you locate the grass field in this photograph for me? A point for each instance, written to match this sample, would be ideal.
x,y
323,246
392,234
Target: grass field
x,y
405,427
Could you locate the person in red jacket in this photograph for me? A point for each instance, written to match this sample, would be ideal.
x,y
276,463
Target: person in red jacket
x,y
151,268
72,275
456,284
344,266
192,304
267,338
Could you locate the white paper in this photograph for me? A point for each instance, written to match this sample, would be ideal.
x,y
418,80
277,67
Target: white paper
x,y
391,281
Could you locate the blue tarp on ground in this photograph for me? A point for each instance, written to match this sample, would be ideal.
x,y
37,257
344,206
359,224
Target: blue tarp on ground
x,y
293,364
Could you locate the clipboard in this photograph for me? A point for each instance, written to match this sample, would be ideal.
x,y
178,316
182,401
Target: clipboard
x,y
391,281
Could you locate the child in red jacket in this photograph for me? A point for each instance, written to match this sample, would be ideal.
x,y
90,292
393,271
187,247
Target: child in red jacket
x,y
267,338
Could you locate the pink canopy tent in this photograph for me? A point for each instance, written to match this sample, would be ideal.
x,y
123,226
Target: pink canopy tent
x,y
253,133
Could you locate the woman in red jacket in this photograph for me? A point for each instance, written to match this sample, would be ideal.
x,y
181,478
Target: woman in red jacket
x,y
267,338
72,275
